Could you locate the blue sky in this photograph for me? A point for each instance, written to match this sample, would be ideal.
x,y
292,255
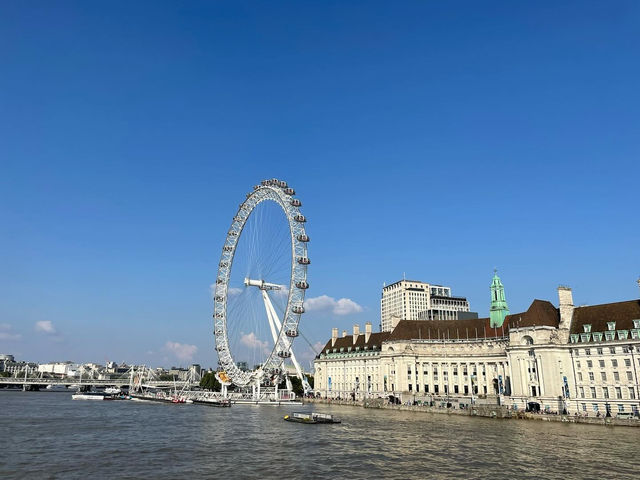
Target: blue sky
x,y
436,139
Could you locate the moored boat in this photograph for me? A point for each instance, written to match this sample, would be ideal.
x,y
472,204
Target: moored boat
x,y
90,396
218,402
301,417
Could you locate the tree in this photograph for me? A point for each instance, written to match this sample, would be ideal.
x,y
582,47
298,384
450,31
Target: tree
x,y
210,382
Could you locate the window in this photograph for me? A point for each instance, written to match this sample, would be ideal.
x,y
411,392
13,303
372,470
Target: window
x,y
587,327
636,324
599,350
627,362
582,391
580,376
614,363
595,407
601,363
455,389
611,326
609,335
618,392
593,392
591,378
630,375
616,376
605,392
612,350
625,349
589,364
603,375
410,387
578,364
632,393
587,351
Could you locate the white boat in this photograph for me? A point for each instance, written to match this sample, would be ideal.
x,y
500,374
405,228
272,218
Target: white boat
x,y
88,396
56,388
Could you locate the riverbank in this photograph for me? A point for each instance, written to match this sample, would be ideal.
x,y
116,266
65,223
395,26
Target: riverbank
x,y
487,411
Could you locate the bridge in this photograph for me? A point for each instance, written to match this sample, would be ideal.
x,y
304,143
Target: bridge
x,y
116,382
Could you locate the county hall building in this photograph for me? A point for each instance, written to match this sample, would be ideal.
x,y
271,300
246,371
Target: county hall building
x,y
566,358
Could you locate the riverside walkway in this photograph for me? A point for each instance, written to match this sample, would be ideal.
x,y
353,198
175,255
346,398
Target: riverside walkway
x,y
484,410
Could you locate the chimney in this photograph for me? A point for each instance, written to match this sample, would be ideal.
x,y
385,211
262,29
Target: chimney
x,y
565,297
356,332
344,334
334,336
367,331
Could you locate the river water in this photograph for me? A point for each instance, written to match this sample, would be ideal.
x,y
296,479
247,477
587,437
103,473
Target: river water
x,y
49,435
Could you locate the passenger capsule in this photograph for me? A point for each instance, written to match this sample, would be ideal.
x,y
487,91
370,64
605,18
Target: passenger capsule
x,y
219,298
291,333
295,202
297,309
264,183
284,354
289,191
303,238
304,261
219,280
227,248
283,184
302,285
300,218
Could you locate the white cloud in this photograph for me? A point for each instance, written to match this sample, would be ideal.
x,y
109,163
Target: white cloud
x,y
252,341
231,291
306,355
343,306
45,326
7,334
182,351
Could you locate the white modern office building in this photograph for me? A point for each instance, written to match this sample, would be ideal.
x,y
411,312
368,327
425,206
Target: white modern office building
x,y
415,300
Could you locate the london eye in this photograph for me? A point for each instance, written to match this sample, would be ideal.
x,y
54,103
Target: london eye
x,y
260,287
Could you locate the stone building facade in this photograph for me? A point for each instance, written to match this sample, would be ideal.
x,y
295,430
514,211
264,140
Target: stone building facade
x,y
578,359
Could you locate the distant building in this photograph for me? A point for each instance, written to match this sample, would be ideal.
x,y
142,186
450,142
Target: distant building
x,y
244,366
58,369
4,359
415,300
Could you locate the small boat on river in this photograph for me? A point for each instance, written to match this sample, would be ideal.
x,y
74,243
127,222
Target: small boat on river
x,y
300,417
214,402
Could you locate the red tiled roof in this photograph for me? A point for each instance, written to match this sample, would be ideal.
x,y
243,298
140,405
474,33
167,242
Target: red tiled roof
x,y
540,313
345,342
623,313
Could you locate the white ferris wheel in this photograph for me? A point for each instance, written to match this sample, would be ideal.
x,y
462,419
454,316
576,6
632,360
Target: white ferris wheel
x,y
260,288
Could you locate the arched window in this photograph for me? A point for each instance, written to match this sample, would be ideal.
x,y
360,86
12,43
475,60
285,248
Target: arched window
x,y
527,340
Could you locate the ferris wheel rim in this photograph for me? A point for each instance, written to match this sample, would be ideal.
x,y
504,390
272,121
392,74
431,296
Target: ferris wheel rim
x,y
278,192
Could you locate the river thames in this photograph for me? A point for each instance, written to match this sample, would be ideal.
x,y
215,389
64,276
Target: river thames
x,y
49,435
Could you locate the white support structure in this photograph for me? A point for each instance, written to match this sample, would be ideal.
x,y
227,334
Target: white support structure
x,y
275,325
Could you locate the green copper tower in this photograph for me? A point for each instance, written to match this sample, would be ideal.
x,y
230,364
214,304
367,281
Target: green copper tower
x,y
499,309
